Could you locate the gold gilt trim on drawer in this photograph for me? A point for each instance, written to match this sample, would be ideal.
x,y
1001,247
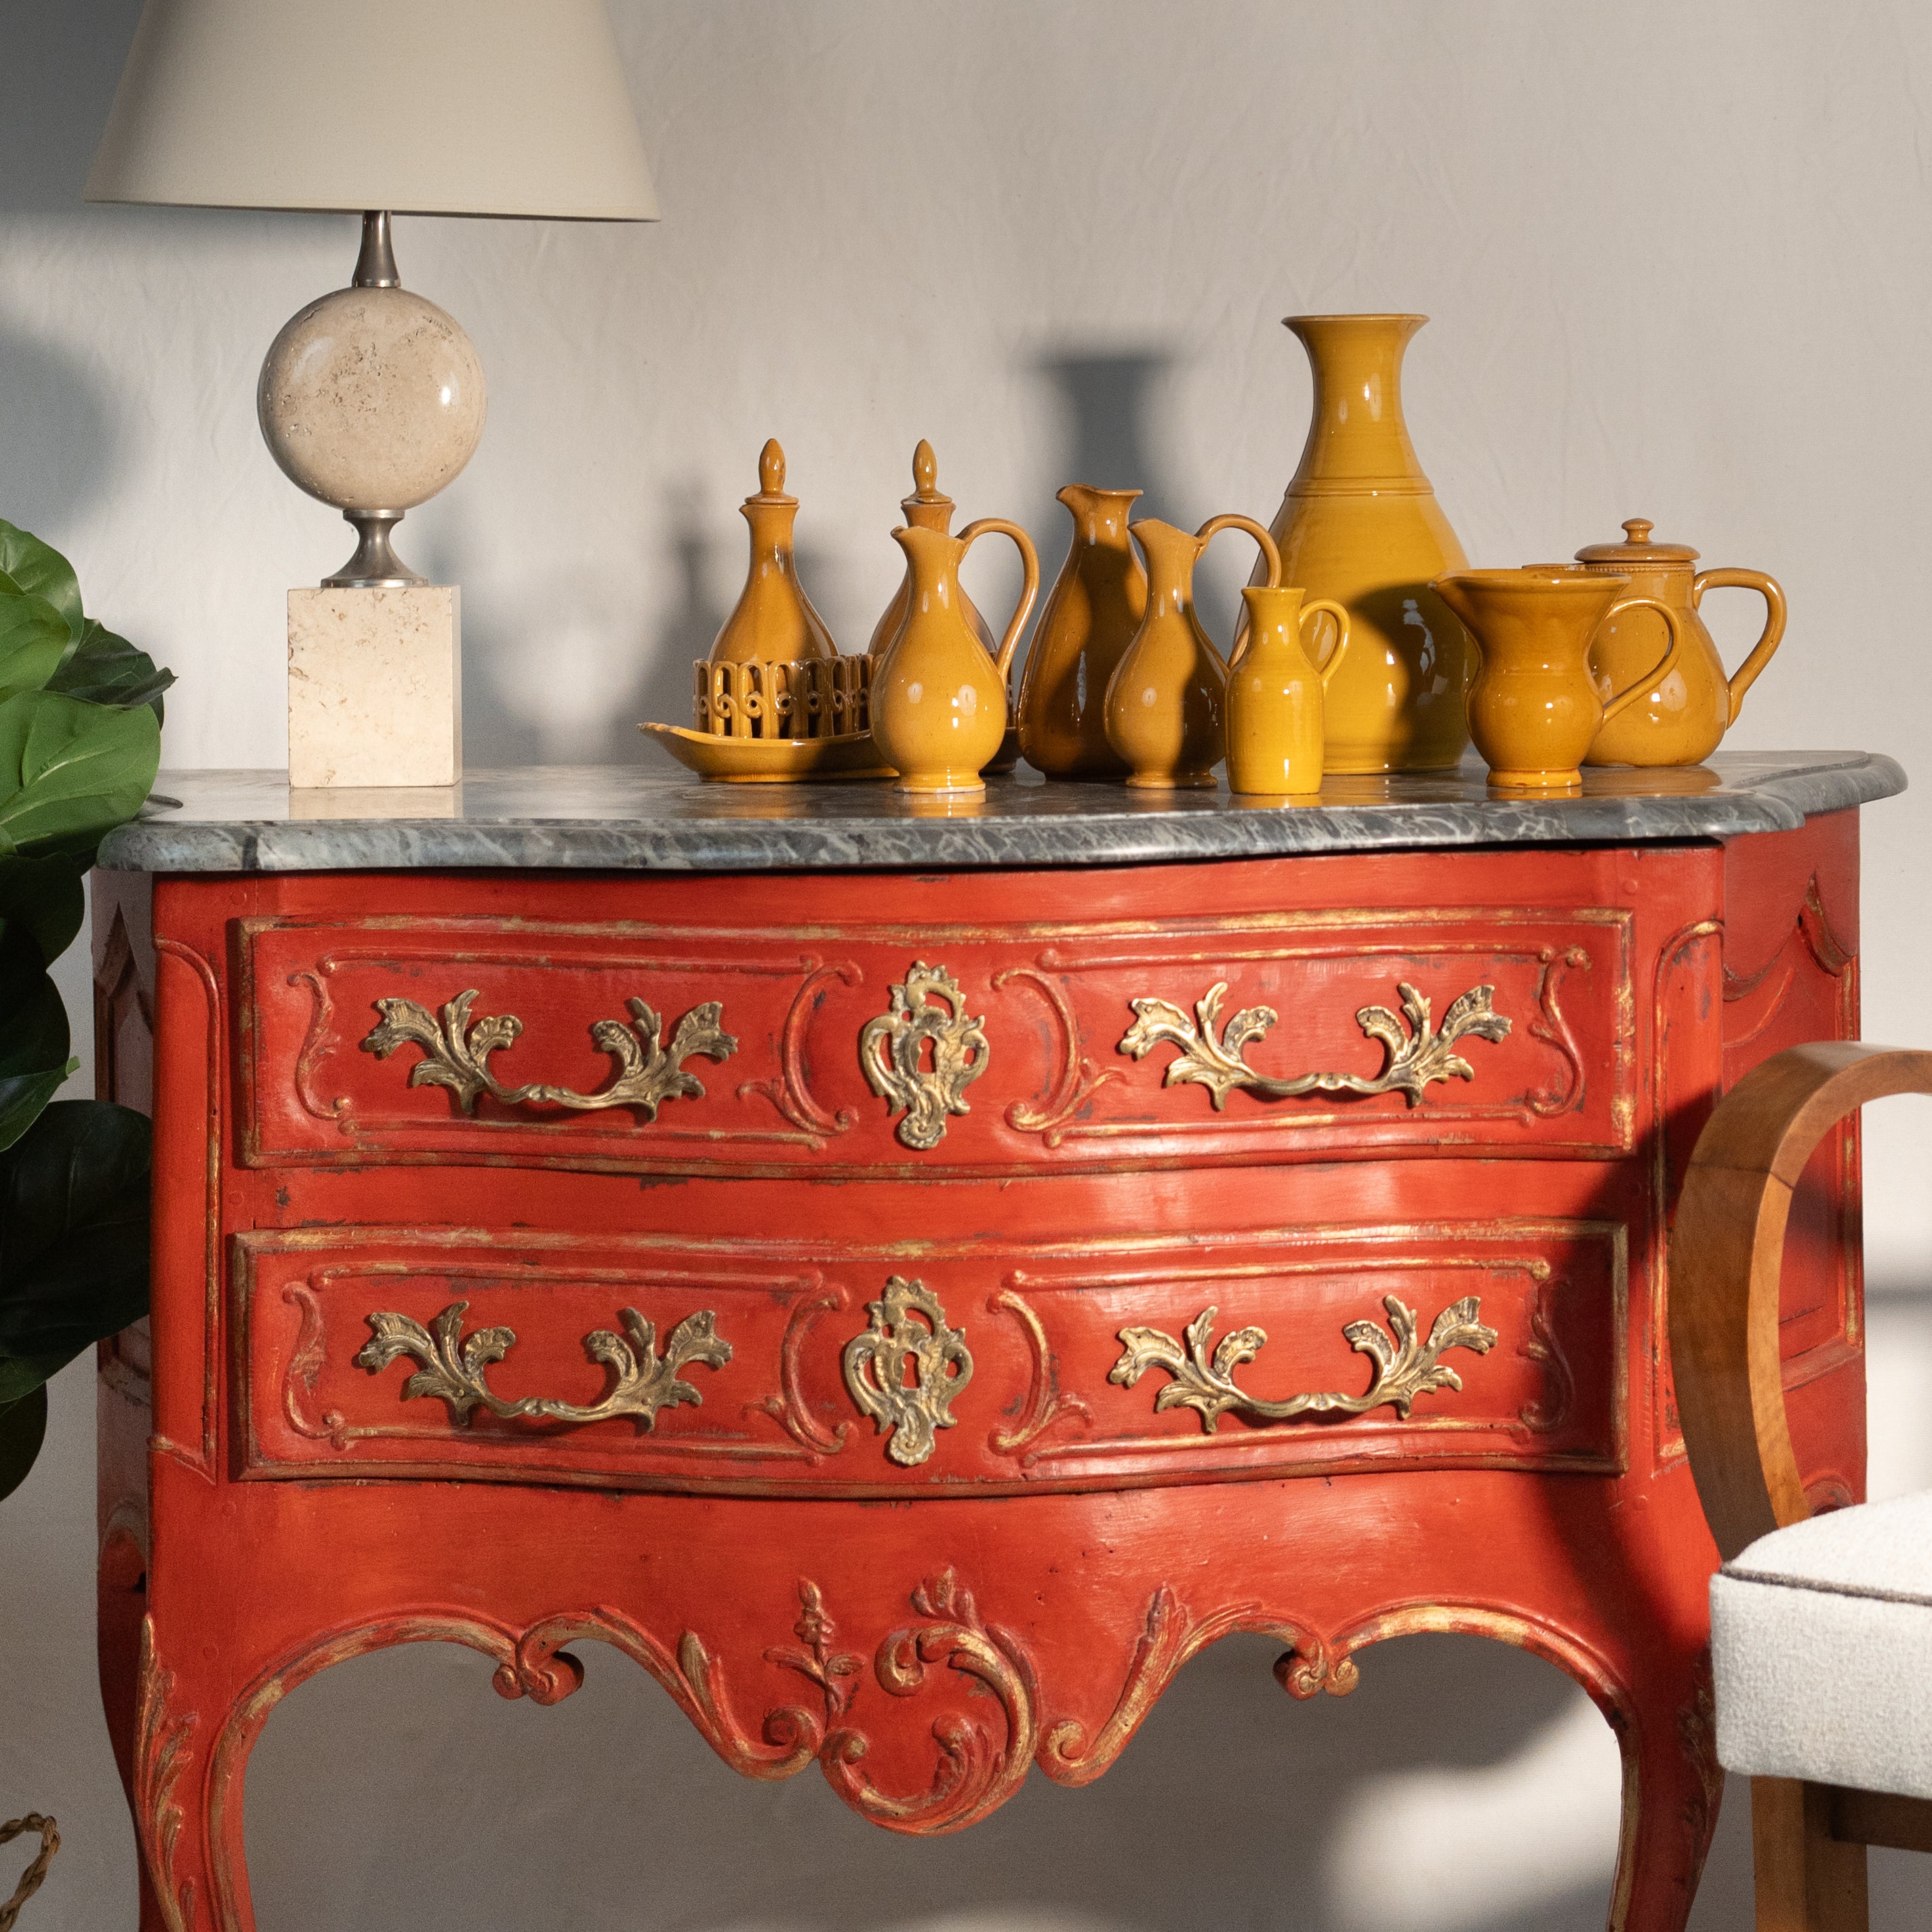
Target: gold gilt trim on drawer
x,y
456,1054
1210,1055
454,1367
909,1331
1405,1366
893,1045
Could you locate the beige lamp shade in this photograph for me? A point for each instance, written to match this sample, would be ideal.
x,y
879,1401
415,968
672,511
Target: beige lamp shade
x,y
497,107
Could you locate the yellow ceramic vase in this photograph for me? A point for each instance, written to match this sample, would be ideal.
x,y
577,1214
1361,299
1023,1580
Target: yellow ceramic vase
x,y
1096,606
1275,694
1360,524
1534,708
939,699
1166,704
1681,719
773,619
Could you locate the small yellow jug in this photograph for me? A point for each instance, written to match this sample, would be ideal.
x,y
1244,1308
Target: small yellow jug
x,y
1166,705
1275,694
1534,708
939,700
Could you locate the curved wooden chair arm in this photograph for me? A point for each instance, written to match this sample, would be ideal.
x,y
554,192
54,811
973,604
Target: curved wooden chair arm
x,y
1727,1250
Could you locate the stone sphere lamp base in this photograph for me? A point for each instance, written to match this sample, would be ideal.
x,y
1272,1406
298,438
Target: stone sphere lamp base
x,y
372,399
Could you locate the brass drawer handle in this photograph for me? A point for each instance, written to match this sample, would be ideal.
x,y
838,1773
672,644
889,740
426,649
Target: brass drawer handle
x,y
454,1367
1413,1057
456,1053
1406,1366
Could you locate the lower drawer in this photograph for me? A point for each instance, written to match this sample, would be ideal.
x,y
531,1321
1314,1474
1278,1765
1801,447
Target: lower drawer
x,y
922,1368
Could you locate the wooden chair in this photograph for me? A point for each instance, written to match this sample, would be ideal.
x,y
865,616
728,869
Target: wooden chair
x,y
1821,1626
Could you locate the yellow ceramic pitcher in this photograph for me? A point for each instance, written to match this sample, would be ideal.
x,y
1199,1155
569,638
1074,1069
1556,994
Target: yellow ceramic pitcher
x,y
1680,719
1534,708
1275,695
928,507
1095,606
939,700
1166,705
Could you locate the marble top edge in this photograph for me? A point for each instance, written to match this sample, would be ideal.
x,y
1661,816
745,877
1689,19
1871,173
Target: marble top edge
x,y
618,818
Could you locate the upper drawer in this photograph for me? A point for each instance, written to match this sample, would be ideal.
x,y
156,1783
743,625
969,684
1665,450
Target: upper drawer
x,y
934,1050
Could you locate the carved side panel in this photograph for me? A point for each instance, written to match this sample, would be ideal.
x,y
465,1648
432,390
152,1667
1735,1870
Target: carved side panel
x,y
1791,974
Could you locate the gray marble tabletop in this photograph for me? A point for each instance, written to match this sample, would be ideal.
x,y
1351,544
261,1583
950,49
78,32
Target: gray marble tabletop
x,y
614,817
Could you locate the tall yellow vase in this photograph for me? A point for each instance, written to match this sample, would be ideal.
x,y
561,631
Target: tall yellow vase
x,y
1360,526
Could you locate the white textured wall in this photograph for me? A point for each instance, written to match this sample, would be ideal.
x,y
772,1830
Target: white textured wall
x,y
1676,255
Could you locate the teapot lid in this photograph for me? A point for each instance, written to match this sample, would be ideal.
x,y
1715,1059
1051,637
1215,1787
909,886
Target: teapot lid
x,y
1637,548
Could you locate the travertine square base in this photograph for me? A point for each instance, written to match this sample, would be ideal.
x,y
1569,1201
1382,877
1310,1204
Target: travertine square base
x,y
375,687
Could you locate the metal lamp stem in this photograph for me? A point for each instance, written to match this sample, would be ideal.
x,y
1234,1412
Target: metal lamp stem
x,y
376,266
375,566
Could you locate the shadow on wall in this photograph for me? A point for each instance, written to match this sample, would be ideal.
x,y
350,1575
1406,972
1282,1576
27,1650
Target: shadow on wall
x,y
1109,402
1106,400
56,84
610,1810
56,437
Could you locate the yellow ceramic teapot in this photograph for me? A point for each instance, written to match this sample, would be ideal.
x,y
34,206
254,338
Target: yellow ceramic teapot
x,y
1166,705
1679,719
939,701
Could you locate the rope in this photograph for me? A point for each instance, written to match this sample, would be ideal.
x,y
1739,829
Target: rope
x,y
30,1878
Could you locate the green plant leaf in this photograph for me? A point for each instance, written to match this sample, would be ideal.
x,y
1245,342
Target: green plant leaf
x,y
23,1427
43,898
33,1039
74,1237
33,639
107,669
70,771
41,570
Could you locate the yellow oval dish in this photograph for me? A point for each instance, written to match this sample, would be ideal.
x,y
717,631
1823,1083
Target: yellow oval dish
x,y
770,760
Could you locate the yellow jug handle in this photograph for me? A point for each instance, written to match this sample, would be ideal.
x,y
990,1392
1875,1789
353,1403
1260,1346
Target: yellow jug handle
x,y
1663,666
1341,617
1233,520
1772,591
1029,563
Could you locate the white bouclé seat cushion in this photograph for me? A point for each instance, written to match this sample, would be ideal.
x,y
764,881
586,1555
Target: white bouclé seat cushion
x,y
1821,1638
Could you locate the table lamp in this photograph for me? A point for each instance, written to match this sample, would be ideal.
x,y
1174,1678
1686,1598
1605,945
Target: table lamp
x,y
372,398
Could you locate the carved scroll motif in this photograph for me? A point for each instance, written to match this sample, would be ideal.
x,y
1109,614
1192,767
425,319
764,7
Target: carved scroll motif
x,y
1168,1640
906,1369
1046,1403
1414,1057
1406,1366
160,1757
454,1367
892,1049
1553,1029
789,1092
789,1408
456,1054
976,1774
1080,1078
1550,1412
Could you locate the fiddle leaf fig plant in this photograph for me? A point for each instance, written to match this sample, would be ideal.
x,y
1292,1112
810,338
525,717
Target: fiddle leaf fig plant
x,y
80,720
